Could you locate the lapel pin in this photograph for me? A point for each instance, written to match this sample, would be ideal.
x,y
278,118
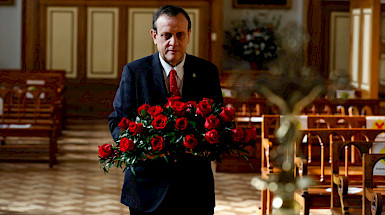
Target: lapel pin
x,y
194,75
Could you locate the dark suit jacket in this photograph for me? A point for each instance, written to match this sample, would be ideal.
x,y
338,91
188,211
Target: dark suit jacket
x,y
188,182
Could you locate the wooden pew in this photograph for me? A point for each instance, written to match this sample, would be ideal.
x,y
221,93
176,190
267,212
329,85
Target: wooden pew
x,y
318,196
31,106
344,107
370,198
323,127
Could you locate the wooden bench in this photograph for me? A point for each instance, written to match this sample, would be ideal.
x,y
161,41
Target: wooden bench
x,y
369,199
325,129
48,79
318,196
344,107
31,106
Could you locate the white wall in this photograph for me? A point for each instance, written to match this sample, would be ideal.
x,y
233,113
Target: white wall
x,y
10,36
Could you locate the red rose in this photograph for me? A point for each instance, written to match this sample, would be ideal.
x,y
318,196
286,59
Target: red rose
x,y
123,124
191,104
250,151
210,101
179,108
105,150
203,108
159,122
250,135
143,110
135,128
212,122
190,141
157,143
155,111
227,114
181,123
238,134
126,145
171,100
212,136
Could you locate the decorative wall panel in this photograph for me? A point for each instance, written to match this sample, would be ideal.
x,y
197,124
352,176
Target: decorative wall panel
x,y
339,43
102,42
140,43
62,43
366,48
356,13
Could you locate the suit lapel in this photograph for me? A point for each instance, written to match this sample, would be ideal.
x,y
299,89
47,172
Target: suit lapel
x,y
188,82
159,85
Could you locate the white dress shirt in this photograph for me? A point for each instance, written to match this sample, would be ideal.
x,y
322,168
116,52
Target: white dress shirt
x,y
179,73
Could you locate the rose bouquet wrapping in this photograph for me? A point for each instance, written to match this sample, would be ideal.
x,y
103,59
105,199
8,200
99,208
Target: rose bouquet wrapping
x,y
177,129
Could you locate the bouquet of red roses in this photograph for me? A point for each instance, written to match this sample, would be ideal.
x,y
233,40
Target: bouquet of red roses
x,y
175,130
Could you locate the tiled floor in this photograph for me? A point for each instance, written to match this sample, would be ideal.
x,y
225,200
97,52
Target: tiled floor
x,y
77,185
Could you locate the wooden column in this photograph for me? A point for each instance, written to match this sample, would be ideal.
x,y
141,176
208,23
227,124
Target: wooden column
x,y
365,46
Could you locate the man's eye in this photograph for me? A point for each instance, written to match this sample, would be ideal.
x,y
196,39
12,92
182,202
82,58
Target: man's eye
x,y
180,35
166,36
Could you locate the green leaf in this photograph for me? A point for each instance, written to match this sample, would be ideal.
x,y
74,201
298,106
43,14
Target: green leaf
x,y
192,123
132,170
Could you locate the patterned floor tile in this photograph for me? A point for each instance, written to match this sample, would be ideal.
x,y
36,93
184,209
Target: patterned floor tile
x,y
78,186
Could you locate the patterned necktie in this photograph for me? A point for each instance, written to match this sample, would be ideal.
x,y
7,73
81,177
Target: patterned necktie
x,y
173,84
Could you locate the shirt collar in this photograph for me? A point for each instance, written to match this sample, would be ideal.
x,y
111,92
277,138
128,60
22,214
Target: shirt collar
x,y
179,68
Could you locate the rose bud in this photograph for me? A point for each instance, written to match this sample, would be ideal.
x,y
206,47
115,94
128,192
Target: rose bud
x,y
179,108
135,128
143,110
238,134
250,135
203,108
181,123
212,136
159,122
212,122
126,145
155,111
123,124
190,141
227,114
105,151
157,143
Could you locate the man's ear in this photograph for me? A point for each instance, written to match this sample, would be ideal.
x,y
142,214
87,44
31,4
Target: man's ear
x,y
154,36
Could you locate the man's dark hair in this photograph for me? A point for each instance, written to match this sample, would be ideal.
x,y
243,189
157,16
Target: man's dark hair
x,y
170,10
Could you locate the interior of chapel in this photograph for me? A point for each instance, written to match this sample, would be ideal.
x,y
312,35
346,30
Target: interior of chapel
x,y
307,75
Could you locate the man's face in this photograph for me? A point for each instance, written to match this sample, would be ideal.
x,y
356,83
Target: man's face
x,y
172,37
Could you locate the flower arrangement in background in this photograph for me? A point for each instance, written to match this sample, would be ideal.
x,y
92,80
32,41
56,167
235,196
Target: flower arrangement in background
x,y
175,130
253,40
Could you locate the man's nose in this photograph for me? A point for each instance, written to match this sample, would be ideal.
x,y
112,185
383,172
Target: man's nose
x,y
173,40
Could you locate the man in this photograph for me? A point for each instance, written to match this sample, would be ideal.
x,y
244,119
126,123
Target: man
x,y
185,186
